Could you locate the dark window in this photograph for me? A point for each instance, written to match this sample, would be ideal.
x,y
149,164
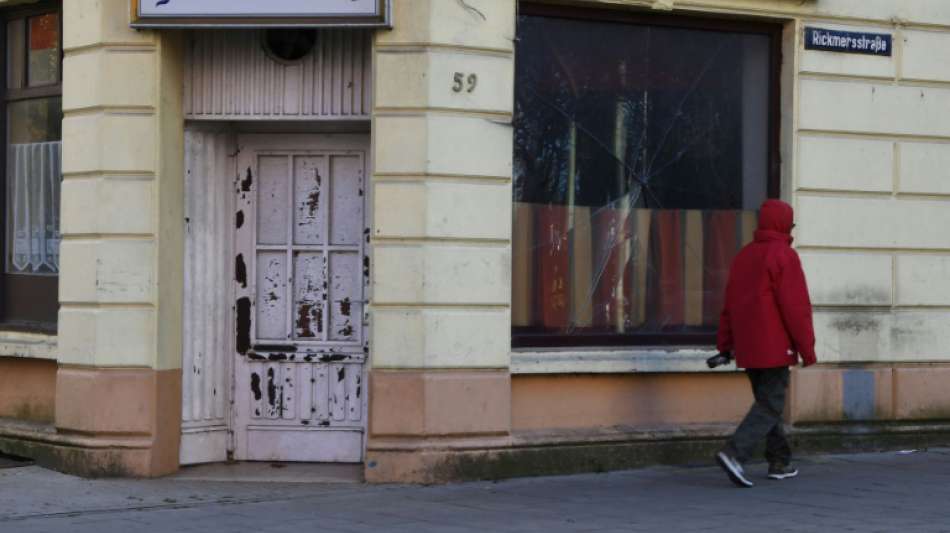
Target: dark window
x,y
32,110
643,147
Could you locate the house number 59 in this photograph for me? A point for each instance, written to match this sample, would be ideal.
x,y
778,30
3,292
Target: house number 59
x,y
462,82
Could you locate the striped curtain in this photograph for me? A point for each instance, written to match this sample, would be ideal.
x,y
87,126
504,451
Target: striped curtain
x,y
34,173
622,270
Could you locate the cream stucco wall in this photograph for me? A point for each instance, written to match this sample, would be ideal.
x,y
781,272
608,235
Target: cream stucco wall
x,y
111,138
442,187
866,161
441,235
866,165
120,281
870,188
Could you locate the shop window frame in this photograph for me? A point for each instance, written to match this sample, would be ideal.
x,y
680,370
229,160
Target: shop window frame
x,y
28,303
773,29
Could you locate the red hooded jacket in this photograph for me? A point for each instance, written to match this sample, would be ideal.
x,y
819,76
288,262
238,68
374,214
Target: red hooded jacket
x,y
766,319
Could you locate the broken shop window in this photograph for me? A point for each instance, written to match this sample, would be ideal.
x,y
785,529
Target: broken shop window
x,y
641,154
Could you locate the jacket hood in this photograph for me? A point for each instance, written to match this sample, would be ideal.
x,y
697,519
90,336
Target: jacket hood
x,y
776,216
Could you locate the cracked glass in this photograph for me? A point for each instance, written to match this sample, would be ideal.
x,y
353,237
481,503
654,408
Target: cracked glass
x,y
641,153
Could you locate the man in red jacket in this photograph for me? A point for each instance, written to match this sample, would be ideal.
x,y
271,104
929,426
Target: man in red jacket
x,y
766,323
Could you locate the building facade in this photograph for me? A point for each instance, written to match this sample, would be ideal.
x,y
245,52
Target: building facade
x,y
487,240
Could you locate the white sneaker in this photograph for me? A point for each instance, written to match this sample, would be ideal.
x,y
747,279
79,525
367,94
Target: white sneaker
x,y
733,470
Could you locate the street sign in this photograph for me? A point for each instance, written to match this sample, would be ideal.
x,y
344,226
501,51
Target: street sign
x,y
879,44
258,13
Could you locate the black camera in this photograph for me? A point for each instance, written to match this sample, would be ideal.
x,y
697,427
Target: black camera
x,y
721,358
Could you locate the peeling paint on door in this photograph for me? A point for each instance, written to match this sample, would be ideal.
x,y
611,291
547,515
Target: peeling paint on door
x,y
240,270
209,337
302,240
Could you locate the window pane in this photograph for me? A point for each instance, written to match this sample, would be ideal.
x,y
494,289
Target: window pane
x,y
15,53
37,120
640,156
44,50
33,186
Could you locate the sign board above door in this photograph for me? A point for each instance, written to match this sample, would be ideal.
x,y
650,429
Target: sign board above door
x,y
259,13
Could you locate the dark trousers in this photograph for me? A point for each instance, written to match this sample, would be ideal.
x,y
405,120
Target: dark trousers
x,y
764,420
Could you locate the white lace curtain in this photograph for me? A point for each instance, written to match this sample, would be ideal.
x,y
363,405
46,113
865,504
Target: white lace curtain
x,y
33,178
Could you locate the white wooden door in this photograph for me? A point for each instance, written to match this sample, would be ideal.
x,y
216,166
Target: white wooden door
x,y
300,285
207,330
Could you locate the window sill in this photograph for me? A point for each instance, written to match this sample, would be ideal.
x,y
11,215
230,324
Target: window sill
x,y
616,361
32,345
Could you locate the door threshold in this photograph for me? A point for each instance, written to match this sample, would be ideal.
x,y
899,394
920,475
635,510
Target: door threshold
x,y
272,472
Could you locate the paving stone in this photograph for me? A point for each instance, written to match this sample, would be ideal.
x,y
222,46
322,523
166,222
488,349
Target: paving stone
x,y
858,492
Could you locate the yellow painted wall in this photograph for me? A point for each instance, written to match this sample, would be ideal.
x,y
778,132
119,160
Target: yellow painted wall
x,y
442,186
866,161
120,281
866,167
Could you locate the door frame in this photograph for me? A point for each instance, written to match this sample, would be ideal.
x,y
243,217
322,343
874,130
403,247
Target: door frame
x,y
269,134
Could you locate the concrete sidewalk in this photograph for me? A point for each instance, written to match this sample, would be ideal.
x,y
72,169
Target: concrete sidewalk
x,y
884,492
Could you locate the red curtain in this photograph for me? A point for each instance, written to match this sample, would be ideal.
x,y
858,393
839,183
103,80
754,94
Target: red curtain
x,y
720,245
553,265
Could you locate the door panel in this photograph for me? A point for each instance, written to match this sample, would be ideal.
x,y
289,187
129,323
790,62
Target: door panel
x,y
299,359
346,204
346,306
310,281
207,338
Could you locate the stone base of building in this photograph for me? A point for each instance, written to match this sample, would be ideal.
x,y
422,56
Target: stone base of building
x,y
106,423
83,456
27,389
602,451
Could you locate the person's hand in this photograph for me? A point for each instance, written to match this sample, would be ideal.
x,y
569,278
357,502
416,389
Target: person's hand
x,y
722,358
